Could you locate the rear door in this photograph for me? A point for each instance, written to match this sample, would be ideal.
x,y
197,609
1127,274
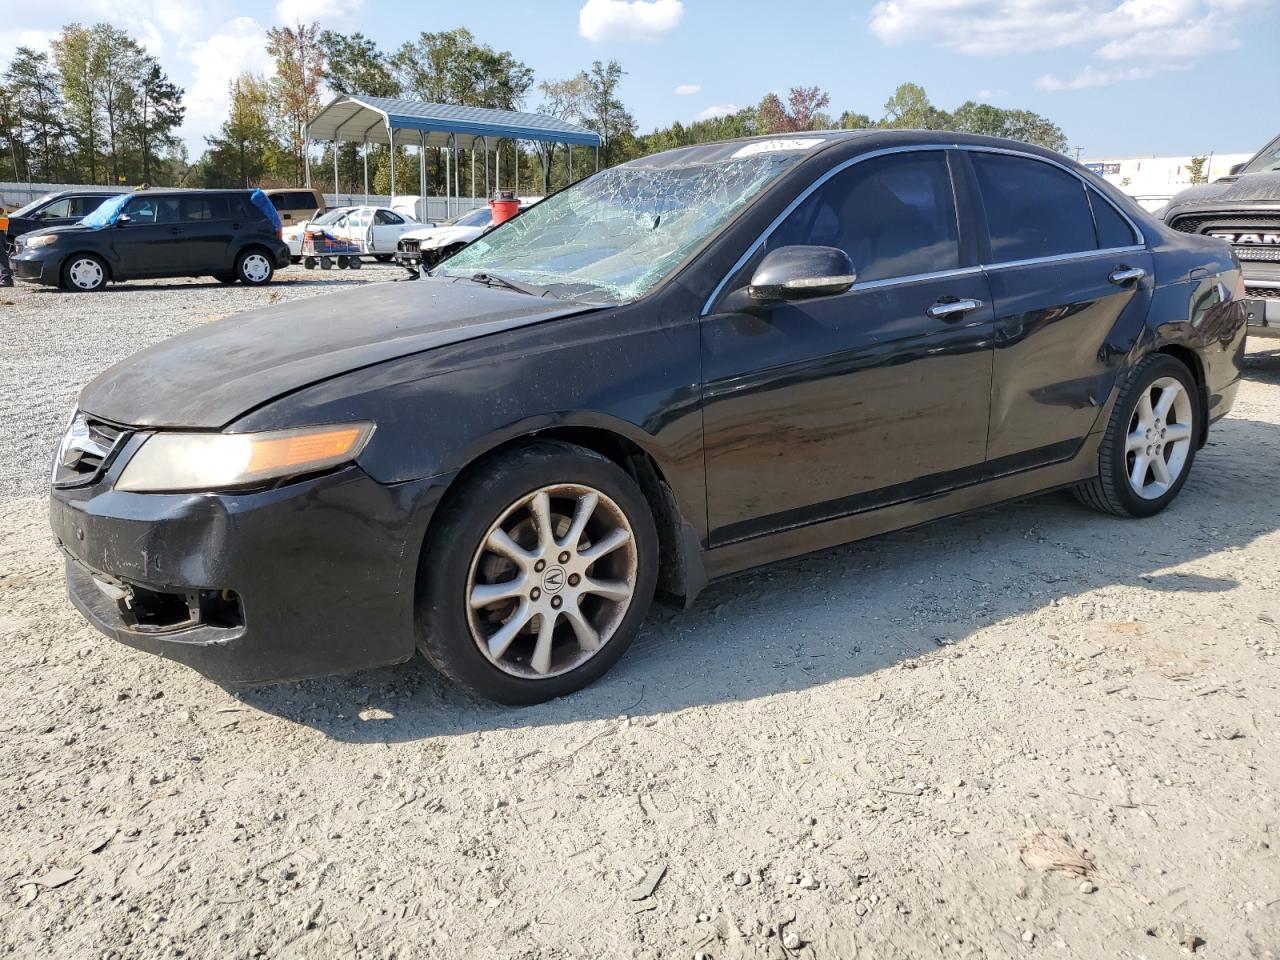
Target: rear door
x,y
149,242
208,227
1071,284
387,227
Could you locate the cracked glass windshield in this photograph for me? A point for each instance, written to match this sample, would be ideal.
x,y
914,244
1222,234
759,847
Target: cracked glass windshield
x,y
612,237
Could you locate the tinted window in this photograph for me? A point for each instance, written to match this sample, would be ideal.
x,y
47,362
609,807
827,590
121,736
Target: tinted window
x,y
894,216
386,217
1113,229
204,208
59,208
83,206
242,207
293,200
1033,209
144,209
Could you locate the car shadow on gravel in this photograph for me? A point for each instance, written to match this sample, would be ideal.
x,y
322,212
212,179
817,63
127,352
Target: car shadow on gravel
x,y
855,610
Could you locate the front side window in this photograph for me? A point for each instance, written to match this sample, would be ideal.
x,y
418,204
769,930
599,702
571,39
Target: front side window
x,y
386,218
613,236
152,209
83,206
894,216
1033,209
58,210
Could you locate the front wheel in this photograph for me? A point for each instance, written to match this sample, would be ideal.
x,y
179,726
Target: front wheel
x,y
1150,441
537,575
255,268
84,273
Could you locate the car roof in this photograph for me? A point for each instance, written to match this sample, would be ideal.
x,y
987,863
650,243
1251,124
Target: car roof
x,y
860,141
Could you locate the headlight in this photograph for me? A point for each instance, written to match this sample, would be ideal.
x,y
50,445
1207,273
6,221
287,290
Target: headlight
x,y
211,461
41,241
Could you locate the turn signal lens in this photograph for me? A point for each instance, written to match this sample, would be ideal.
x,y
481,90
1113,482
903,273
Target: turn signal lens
x,y
211,461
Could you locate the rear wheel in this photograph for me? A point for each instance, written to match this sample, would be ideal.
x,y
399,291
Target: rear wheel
x,y
538,574
255,268
84,273
1150,441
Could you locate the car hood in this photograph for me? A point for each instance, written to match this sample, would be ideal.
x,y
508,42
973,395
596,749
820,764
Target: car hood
x,y
1250,188
210,376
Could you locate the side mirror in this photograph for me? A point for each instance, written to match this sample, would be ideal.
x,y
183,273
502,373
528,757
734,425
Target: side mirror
x,y
123,219
1235,168
800,272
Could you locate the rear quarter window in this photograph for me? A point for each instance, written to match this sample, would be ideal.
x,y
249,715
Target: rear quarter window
x,y
1113,229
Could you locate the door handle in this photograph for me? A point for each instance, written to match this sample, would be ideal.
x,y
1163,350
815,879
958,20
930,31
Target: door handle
x,y
1122,275
953,309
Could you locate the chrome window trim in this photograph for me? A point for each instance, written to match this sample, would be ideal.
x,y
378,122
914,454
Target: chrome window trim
x,y
930,148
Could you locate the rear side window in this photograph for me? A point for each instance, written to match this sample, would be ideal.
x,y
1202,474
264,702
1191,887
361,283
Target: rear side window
x,y
294,200
243,208
1033,209
83,206
895,216
204,208
1113,229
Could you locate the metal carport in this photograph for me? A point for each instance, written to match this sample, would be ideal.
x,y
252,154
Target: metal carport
x,y
412,123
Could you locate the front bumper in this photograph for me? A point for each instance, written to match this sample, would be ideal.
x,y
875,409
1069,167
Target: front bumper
x,y
310,578
41,265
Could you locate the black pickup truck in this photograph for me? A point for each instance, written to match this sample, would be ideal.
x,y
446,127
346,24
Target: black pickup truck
x,y
1243,209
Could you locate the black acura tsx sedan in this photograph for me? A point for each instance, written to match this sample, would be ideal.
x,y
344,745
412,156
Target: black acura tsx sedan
x,y
675,369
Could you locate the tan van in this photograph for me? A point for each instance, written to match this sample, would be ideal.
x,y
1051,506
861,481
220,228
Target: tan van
x,y
296,204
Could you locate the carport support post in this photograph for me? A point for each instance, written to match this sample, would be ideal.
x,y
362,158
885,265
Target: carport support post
x,y
391,145
516,144
597,158
335,173
448,192
422,169
570,165
366,170
306,153
457,180
497,171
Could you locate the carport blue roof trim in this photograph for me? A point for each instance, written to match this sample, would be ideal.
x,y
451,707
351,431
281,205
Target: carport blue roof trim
x,y
341,120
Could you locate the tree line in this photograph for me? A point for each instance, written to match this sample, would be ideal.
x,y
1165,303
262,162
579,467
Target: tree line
x,y
98,108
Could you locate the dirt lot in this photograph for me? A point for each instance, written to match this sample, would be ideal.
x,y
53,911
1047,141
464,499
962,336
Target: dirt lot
x,y
875,751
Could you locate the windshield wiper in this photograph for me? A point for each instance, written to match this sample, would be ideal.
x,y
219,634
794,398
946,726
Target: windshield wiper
x,y
493,280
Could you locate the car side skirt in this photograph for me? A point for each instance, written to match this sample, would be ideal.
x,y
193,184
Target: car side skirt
x,y
793,542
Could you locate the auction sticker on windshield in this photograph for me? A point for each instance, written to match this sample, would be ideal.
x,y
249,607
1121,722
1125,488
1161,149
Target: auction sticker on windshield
x,y
773,146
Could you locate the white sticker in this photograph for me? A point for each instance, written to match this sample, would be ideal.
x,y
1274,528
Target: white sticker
x,y
772,146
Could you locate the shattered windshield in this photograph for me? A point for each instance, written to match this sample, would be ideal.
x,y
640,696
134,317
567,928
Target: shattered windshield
x,y
613,236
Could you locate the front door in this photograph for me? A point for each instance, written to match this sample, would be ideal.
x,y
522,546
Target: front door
x,y
147,237
821,408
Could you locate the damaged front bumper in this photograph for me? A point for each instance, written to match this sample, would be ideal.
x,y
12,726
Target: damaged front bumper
x,y
305,579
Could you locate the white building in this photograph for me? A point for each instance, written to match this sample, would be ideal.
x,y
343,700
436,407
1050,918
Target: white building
x,y
1153,180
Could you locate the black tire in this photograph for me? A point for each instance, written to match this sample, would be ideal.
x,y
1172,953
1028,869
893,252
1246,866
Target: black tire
x,y
1111,491
225,277
84,273
255,267
463,520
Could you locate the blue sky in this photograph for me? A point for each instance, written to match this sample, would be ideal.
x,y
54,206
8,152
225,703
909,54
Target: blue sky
x,y
1121,77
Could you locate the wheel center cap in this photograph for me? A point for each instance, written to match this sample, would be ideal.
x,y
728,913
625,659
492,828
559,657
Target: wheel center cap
x,y
554,579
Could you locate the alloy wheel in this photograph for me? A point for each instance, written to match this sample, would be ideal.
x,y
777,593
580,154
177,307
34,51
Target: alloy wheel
x,y
551,581
1159,439
86,273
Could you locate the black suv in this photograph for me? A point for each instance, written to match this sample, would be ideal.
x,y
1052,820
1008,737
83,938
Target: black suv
x,y
53,210
228,234
1244,210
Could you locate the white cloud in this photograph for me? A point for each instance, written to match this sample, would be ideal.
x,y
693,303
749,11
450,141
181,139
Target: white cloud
x,y
1148,36
290,12
215,61
687,89
1088,78
644,20
719,110
11,40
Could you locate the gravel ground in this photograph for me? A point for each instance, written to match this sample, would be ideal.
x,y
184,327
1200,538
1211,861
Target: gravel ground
x,y
1030,731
